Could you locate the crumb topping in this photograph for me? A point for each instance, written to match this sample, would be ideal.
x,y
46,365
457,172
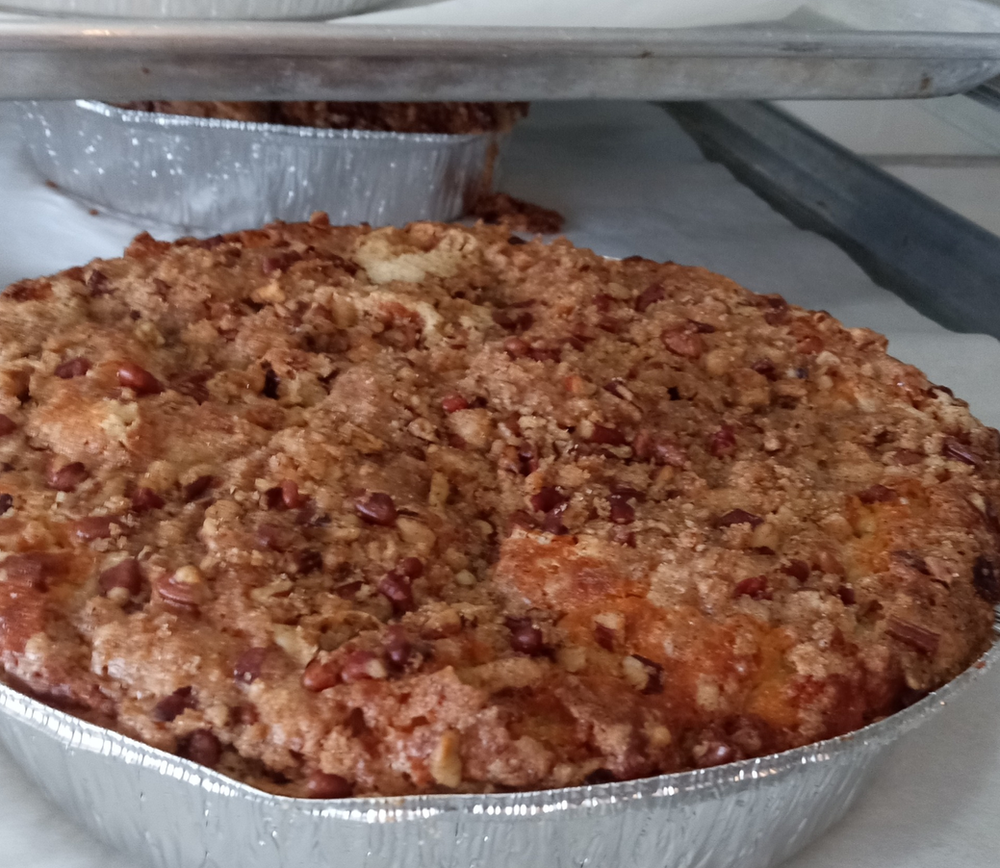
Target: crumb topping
x,y
348,511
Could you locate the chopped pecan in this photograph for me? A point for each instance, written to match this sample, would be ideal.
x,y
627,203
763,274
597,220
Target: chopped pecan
x,y
754,587
139,380
174,705
377,508
919,638
738,516
67,477
71,368
986,579
320,785
877,494
201,746
525,637
957,451
126,575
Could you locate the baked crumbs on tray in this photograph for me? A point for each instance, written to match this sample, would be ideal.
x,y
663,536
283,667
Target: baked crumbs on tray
x,y
342,511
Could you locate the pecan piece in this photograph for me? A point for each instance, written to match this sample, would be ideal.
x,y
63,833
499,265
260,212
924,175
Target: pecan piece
x,y
453,402
320,785
877,494
67,477
722,442
174,705
72,368
953,449
395,587
547,499
684,341
986,580
919,638
319,676
33,569
738,516
621,511
145,499
398,647
797,570
608,436
525,637
94,527
754,587
201,746
362,666
649,296
126,575
377,508
197,489
139,380
249,664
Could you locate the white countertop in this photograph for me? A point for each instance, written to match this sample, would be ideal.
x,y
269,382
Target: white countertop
x,y
629,182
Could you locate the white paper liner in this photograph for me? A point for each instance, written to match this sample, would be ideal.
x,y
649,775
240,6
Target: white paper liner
x,y
223,175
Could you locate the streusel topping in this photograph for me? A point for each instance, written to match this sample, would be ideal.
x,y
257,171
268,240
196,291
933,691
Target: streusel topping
x,y
341,510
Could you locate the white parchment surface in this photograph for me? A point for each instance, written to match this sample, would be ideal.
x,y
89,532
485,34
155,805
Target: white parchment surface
x,y
630,182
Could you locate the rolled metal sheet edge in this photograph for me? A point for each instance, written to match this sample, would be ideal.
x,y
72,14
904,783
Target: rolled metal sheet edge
x,y
939,262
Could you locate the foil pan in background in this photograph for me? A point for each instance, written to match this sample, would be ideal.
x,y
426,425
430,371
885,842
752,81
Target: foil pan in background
x,y
223,175
227,9
177,814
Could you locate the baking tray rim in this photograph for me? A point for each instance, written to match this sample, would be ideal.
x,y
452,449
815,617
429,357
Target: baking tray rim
x,y
734,777
294,38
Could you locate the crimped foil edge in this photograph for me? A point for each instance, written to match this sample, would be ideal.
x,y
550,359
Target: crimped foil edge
x,y
730,778
160,119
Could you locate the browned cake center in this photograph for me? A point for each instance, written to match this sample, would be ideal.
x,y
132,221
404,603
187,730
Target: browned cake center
x,y
344,511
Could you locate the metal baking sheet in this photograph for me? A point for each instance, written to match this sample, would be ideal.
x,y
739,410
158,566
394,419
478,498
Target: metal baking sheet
x,y
942,264
825,49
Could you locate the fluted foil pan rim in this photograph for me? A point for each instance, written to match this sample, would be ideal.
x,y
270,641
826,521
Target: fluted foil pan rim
x,y
162,119
730,778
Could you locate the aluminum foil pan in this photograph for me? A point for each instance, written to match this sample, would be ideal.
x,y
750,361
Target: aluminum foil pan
x,y
231,9
177,814
222,175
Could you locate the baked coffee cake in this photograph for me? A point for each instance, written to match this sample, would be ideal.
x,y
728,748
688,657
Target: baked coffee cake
x,y
349,511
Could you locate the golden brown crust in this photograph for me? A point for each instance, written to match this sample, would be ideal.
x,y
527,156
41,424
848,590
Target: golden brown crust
x,y
453,118
341,510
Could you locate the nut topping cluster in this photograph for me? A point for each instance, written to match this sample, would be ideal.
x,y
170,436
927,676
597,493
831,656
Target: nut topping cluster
x,y
343,512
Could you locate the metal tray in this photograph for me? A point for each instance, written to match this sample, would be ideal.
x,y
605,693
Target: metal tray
x,y
842,48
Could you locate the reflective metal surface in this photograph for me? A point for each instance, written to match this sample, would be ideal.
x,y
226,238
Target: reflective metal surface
x,y
220,175
234,9
177,814
116,60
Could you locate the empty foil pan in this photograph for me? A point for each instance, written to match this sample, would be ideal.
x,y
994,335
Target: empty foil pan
x,y
177,814
231,9
223,175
